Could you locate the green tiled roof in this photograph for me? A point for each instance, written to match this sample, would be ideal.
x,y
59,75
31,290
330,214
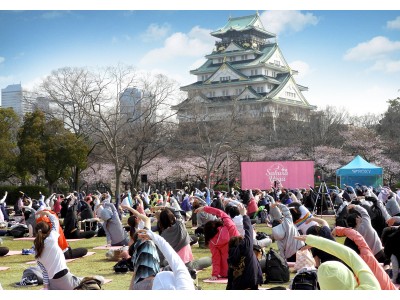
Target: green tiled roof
x,y
208,66
243,24
250,80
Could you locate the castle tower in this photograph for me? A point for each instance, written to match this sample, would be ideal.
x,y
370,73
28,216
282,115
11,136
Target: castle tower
x,y
246,69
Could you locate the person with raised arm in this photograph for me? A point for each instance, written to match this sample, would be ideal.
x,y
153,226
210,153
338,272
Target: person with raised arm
x,y
366,254
334,275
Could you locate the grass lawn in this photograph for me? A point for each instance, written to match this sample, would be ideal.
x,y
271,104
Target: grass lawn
x,y
98,264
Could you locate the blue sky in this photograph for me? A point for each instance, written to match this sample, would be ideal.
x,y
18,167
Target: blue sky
x,y
347,58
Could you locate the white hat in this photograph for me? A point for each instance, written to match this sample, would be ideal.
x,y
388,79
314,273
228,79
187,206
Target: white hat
x,y
164,280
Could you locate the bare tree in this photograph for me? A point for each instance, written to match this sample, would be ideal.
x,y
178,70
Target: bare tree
x,y
66,95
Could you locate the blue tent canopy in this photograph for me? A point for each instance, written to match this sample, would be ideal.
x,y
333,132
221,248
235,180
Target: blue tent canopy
x,y
360,171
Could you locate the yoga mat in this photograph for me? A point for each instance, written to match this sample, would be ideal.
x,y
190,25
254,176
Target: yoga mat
x,y
32,238
24,239
108,248
221,280
4,268
290,264
67,260
13,252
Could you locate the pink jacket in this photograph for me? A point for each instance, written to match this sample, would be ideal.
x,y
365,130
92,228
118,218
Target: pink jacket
x,y
367,255
252,206
219,243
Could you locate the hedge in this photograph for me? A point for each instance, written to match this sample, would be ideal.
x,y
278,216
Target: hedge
x,y
14,192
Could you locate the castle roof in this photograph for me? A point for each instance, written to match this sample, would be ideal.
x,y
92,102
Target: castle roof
x,y
242,24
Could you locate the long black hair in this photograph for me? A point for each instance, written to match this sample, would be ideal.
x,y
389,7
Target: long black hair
x,y
211,229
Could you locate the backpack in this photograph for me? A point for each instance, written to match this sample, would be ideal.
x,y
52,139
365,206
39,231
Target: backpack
x,y
90,283
18,231
276,268
305,280
123,266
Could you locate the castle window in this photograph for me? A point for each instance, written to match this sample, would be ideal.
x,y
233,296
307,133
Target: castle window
x,y
260,89
273,74
254,72
225,78
211,94
238,91
225,92
244,57
291,95
277,62
232,58
220,60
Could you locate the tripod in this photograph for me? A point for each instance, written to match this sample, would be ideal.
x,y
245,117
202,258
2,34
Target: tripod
x,y
322,196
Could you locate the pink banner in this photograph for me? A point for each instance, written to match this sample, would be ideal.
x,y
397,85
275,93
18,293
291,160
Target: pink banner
x,y
290,174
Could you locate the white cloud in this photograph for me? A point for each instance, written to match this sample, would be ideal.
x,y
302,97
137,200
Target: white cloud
x,y
394,24
197,43
2,59
156,32
302,67
387,66
278,21
375,48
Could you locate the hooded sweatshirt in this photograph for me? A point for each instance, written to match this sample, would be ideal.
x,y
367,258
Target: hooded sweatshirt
x,y
367,231
367,255
334,275
244,269
287,245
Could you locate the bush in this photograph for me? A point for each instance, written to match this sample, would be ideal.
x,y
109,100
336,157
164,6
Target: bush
x,y
30,190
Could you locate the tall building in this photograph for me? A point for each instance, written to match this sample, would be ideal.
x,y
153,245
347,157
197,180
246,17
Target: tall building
x,y
135,104
246,72
12,96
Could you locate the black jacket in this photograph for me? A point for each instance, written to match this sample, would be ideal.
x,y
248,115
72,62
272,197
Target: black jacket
x,y
244,269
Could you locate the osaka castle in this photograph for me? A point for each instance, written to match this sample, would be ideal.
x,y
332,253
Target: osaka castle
x,y
245,72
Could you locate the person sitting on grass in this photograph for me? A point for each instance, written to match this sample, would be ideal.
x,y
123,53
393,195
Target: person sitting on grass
x,y
244,269
179,277
71,224
217,234
322,230
284,231
49,256
334,275
115,232
69,253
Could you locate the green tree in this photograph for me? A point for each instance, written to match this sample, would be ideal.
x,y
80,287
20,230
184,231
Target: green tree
x,y
30,142
49,149
9,124
389,128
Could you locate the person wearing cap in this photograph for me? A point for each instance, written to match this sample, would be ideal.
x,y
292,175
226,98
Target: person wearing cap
x,y
334,275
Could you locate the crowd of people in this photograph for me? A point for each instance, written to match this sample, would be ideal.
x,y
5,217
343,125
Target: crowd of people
x,y
159,246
